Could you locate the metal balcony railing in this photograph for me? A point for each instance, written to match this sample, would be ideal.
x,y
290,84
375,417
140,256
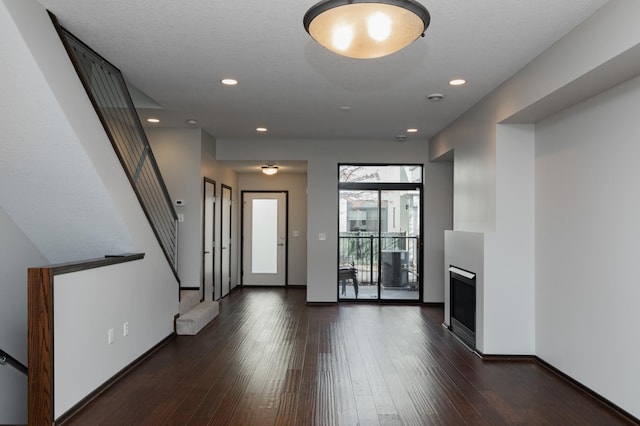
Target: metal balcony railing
x,y
367,252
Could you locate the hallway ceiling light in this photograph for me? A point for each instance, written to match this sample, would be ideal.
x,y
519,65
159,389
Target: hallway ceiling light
x,y
153,120
366,29
229,81
457,82
261,129
270,169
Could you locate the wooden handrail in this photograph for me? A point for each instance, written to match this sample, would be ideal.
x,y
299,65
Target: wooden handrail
x,y
40,332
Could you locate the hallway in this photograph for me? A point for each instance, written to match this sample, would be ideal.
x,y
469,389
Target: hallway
x,y
269,359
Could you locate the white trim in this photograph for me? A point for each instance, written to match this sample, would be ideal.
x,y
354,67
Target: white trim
x,y
466,274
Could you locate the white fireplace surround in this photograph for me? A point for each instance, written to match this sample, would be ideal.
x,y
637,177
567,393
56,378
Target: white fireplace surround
x,y
504,294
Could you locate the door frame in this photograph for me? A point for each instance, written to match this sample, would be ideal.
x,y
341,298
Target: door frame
x,y
206,181
383,186
222,224
286,231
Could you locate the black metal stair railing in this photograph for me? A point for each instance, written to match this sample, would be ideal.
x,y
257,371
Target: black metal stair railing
x,y
110,97
6,359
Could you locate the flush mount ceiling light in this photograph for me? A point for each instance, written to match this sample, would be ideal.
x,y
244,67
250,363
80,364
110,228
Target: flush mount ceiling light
x,y
366,29
270,169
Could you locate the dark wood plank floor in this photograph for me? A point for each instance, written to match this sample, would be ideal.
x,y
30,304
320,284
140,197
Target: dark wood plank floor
x,y
269,359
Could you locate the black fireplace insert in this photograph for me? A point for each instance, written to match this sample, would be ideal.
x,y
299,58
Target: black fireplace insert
x,y
463,305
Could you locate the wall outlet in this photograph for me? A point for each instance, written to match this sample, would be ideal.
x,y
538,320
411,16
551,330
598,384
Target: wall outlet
x,y
125,329
110,335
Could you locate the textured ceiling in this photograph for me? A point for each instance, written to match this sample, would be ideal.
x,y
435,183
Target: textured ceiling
x,y
176,52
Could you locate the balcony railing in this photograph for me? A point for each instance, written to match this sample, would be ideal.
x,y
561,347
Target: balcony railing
x,y
367,252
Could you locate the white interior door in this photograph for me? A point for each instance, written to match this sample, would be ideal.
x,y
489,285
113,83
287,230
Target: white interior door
x,y
225,241
264,247
208,239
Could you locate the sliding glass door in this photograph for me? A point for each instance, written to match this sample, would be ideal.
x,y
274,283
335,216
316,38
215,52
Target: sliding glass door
x,y
380,235
400,245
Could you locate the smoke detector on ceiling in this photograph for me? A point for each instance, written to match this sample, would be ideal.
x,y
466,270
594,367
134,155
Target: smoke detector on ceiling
x,y
401,138
435,97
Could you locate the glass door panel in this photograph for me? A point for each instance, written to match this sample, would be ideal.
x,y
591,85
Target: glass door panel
x,y
359,223
264,248
400,244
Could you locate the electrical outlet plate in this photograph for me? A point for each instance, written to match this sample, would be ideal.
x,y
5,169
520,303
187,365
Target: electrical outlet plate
x,y
125,329
110,335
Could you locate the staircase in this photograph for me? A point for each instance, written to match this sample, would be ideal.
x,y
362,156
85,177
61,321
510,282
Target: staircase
x,y
194,314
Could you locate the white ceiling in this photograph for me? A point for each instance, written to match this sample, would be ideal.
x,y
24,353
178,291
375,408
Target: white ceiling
x,y
176,52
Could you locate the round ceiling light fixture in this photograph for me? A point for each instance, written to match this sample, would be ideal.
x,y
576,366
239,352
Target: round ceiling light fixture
x,y
366,29
270,169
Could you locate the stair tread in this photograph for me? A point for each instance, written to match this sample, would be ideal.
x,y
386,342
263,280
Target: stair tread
x,y
196,318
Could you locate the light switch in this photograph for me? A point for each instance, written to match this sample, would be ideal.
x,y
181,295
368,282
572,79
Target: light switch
x,y
322,237
180,217
296,233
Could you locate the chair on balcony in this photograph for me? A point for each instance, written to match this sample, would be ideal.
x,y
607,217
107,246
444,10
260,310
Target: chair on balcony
x,y
345,273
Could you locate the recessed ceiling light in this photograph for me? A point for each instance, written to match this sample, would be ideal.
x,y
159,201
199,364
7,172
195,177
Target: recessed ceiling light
x,y
435,97
153,120
412,130
191,121
229,81
457,82
345,108
261,129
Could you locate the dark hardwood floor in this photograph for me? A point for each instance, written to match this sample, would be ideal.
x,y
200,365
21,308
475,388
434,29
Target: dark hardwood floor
x,y
269,359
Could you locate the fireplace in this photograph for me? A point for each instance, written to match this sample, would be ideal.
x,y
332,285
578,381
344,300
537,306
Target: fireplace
x,y
462,299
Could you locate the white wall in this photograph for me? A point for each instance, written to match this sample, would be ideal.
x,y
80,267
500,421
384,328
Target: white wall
x,y
508,295
178,153
45,165
185,156
17,253
222,174
574,68
296,185
89,303
322,185
438,216
583,164
88,200
587,233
